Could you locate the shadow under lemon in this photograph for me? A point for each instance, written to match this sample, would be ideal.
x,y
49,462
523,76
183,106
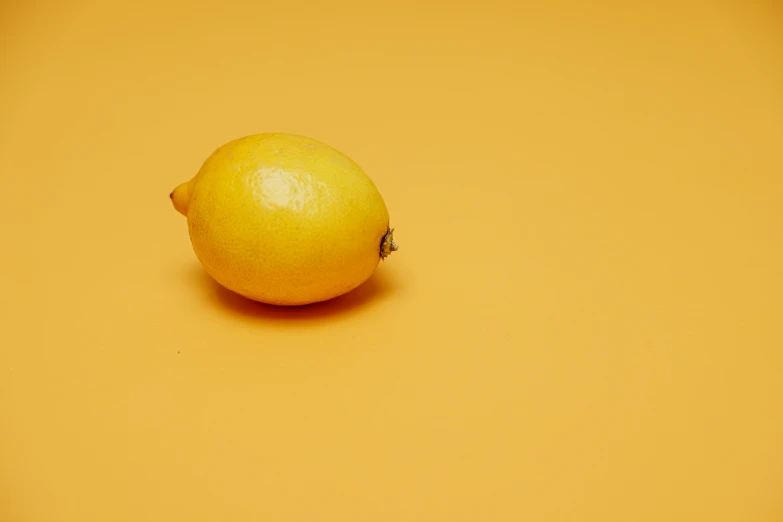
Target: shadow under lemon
x,y
375,289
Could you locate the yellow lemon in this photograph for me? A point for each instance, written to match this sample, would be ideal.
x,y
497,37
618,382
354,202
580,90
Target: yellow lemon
x,y
285,219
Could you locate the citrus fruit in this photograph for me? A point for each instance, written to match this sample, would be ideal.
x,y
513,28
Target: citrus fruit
x,y
285,219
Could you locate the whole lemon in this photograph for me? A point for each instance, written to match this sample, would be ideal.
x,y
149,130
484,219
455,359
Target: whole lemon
x,y
285,219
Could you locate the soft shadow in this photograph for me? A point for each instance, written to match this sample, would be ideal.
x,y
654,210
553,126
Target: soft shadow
x,y
380,285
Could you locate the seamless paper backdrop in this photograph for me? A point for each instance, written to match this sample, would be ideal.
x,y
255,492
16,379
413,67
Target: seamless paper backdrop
x,y
583,322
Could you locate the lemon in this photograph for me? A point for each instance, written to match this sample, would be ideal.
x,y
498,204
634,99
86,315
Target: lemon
x,y
285,219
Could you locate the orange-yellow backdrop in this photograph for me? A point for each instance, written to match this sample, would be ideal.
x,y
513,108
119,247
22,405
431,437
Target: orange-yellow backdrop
x,y
584,323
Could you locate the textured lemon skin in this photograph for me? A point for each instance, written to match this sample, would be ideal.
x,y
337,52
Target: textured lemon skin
x,y
284,219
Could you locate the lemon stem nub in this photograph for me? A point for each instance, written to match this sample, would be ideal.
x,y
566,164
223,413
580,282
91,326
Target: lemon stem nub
x,y
388,245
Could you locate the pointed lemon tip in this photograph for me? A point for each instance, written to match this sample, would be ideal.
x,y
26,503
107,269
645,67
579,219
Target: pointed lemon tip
x,y
180,197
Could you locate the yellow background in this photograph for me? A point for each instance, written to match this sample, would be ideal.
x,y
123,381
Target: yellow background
x,y
584,321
